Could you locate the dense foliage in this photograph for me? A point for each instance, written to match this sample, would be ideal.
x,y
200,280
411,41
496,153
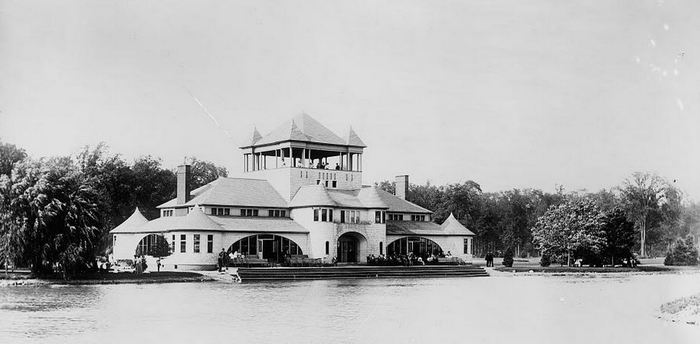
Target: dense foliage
x,y
643,206
683,252
56,213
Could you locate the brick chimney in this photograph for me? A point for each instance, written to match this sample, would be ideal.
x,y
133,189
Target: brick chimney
x,y
183,183
401,186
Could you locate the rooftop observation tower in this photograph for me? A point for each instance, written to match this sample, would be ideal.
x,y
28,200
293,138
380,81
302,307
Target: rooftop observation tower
x,y
304,152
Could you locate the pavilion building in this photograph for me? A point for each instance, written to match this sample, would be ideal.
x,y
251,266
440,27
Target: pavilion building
x,y
301,194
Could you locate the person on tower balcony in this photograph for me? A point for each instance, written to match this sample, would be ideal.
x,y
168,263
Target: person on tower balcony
x,y
337,167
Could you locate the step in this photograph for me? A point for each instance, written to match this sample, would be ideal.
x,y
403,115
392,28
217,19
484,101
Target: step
x,y
358,272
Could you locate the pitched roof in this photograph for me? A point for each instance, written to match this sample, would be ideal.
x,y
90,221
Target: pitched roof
x,y
301,128
353,139
320,196
452,225
312,196
424,228
399,205
259,224
195,219
134,221
234,192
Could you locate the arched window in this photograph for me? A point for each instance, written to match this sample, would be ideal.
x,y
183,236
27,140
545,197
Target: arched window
x,y
419,246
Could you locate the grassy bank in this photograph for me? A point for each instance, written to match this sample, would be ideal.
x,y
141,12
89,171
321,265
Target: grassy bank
x,y
686,310
112,278
583,269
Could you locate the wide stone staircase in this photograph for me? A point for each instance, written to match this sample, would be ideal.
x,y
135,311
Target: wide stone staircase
x,y
358,272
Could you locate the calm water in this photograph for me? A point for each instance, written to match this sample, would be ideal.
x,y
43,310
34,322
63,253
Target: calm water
x,y
522,309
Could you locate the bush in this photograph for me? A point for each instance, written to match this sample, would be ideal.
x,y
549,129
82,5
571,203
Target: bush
x,y
683,252
508,258
546,260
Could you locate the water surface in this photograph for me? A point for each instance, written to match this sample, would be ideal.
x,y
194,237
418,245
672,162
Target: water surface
x,y
523,309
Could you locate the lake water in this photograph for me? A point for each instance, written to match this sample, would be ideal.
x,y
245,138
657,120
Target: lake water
x,y
498,309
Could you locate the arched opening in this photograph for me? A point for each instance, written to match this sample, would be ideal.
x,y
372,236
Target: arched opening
x,y
421,247
153,245
351,247
266,246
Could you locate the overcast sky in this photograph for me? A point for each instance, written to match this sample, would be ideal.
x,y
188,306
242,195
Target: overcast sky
x,y
506,93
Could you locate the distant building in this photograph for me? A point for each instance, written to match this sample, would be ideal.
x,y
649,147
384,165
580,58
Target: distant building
x,y
302,194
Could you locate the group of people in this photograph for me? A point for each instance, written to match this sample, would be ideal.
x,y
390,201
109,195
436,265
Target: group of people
x,y
489,259
320,165
406,259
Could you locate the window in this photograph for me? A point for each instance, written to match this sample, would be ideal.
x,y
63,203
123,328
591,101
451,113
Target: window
x,y
377,216
315,214
227,211
330,215
172,244
167,212
324,215
283,213
466,245
384,217
196,243
328,247
114,240
342,216
210,243
249,212
417,217
326,183
271,213
335,184
381,247
183,243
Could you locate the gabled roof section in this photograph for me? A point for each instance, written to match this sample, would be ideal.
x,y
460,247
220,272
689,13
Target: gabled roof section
x,y
234,192
353,139
134,221
312,196
453,226
320,196
302,128
195,220
369,196
399,205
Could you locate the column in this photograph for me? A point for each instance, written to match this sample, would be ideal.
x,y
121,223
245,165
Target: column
x,y
277,159
303,157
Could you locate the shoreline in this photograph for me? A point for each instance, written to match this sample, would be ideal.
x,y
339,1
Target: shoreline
x,y
111,278
683,310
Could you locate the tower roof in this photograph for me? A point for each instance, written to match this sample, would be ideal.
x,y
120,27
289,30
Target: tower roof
x,y
256,136
301,128
353,139
134,221
453,226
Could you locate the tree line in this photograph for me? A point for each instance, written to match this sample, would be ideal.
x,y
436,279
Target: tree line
x,y
651,207
56,212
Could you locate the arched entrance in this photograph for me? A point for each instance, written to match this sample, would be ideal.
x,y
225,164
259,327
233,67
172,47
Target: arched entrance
x,y
266,246
153,245
350,247
419,246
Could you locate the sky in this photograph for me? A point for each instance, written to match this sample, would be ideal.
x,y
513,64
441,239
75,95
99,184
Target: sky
x,y
510,94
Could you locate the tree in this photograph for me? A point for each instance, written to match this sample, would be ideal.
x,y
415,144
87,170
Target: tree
x,y
619,236
387,186
683,252
573,225
205,172
9,156
57,212
641,194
